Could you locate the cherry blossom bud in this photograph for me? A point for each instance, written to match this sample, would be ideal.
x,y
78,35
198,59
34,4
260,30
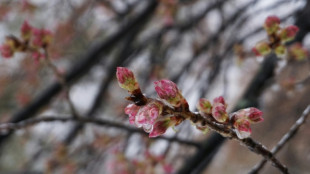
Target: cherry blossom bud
x,y
219,109
272,24
148,114
280,50
261,49
242,127
160,127
132,110
42,38
204,106
126,79
26,30
254,115
6,50
297,52
288,33
169,91
219,113
9,47
219,100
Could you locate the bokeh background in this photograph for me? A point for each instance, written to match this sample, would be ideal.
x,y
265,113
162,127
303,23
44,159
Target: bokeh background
x,y
202,45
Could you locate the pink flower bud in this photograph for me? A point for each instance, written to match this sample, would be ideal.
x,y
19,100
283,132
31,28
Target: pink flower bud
x,y
132,110
272,24
254,115
148,114
297,52
160,127
219,100
169,91
288,33
26,30
261,49
126,79
242,127
6,50
204,106
219,109
42,38
219,113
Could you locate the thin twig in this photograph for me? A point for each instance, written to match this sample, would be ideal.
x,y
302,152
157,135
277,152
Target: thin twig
x,y
289,135
63,83
8,127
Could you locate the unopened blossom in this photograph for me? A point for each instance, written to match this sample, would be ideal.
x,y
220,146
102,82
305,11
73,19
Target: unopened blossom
x,y
9,47
243,129
6,50
126,79
297,52
204,106
41,37
261,49
219,109
288,33
280,50
271,24
161,126
148,114
243,118
169,91
132,110
254,115
26,30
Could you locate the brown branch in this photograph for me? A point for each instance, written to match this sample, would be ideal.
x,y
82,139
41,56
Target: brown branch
x,y
289,135
224,129
10,127
254,146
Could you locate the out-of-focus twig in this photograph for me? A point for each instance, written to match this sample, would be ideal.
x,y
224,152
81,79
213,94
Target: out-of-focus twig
x,y
8,127
289,135
62,81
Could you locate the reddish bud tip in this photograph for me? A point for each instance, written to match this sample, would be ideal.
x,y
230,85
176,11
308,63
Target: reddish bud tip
x,y
126,79
160,127
26,30
6,51
261,49
254,115
243,129
288,33
204,106
169,91
271,24
132,110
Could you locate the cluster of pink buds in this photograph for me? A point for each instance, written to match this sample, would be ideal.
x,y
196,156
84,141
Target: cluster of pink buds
x,y
277,37
156,116
217,110
32,40
150,116
242,119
